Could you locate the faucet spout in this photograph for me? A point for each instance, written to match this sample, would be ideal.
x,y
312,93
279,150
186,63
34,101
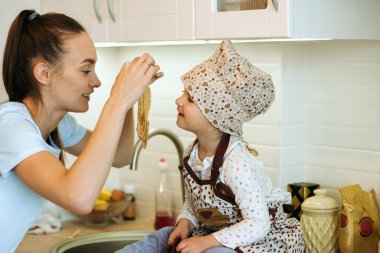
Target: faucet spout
x,y
173,137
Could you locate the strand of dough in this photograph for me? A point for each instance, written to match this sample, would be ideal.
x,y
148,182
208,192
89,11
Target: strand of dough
x,y
142,117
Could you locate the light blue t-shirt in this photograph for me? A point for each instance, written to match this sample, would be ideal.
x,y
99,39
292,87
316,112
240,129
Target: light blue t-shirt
x,y
19,138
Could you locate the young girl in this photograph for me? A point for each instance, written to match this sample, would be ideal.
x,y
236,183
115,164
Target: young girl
x,y
48,71
230,205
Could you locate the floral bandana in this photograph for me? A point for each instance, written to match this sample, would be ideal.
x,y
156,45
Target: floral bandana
x,y
229,90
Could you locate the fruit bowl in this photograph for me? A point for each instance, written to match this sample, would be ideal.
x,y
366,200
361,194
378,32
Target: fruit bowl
x,y
102,218
109,207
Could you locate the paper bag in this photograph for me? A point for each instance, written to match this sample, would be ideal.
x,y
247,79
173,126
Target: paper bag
x,y
359,221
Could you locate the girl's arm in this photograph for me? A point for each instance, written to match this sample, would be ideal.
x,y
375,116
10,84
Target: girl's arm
x,y
198,244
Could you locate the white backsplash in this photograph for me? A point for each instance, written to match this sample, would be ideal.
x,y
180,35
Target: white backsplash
x,y
324,126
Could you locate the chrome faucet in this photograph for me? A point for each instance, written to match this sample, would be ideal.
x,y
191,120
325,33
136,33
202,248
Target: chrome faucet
x,y
173,137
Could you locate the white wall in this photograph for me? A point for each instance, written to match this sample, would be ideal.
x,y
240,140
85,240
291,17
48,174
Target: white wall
x,y
343,114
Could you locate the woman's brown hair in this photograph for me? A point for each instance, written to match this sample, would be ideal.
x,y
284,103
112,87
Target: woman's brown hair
x,y
30,37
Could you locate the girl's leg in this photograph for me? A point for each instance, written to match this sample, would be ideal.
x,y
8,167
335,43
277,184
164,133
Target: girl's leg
x,y
154,243
219,250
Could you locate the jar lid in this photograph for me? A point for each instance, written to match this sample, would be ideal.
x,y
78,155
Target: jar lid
x,y
320,201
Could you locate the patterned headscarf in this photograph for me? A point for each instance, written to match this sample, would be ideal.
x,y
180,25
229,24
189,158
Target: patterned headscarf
x,y
229,90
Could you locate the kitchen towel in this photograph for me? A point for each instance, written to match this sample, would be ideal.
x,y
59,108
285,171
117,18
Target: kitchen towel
x,y
46,223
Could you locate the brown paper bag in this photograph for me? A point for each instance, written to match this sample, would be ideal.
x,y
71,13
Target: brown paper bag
x,y
359,221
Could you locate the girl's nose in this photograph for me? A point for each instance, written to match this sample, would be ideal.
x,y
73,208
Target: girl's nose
x,y
179,101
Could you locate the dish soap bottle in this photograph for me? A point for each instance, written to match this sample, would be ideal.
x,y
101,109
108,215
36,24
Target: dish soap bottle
x,y
164,216
130,212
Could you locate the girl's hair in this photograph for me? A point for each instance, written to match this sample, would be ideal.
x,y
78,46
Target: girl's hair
x,y
33,37
251,150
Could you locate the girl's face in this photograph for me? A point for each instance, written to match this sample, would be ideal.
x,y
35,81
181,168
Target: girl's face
x,y
74,78
189,117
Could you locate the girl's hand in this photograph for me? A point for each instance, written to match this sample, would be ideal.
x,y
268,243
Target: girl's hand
x,y
197,244
133,79
182,231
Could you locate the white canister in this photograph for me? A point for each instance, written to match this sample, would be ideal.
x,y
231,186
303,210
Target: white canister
x,y
319,223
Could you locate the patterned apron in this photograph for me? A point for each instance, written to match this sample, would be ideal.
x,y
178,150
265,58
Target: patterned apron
x,y
215,207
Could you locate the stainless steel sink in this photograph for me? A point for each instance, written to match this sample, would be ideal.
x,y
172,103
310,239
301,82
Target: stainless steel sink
x,y
107,242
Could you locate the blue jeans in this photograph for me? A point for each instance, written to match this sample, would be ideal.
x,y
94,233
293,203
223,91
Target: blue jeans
x,y
157,243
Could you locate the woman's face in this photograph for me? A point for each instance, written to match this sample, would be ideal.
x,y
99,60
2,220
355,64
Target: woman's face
x,y
74,78
190,117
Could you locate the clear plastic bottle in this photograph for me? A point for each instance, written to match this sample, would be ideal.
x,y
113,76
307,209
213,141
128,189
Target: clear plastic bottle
x,y
130,212
164,215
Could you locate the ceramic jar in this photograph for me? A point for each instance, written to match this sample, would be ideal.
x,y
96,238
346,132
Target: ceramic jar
x,y
319,223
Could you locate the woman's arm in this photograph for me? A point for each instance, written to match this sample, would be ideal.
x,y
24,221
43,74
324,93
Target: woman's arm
x,y
76,189
125,146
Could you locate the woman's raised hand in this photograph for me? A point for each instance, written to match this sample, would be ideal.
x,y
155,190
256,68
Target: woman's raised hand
x,y
133,79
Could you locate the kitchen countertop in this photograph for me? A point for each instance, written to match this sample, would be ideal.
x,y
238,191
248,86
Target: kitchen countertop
x,y
43,243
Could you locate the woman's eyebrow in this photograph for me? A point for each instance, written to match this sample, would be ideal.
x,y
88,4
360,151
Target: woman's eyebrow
x,y
89,60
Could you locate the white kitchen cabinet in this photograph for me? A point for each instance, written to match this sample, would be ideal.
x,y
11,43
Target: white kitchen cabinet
x,y
151,20
143,20
99,17
337,19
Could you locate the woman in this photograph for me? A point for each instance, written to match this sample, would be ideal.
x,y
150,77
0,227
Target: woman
x,y
49,70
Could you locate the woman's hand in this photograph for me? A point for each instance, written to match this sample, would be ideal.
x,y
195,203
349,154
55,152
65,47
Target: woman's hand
x,y
133,79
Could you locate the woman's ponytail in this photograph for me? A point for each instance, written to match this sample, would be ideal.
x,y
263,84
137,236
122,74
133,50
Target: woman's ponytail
x,y
13,63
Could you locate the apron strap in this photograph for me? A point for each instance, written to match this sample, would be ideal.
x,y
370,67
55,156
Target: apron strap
x,y
186,158
221,190
219,157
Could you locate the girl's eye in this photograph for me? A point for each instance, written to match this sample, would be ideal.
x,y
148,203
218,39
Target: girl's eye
x,y
86,72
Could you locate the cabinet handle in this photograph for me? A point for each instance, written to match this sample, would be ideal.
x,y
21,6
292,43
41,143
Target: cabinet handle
x,y
275,4
97,11
110,11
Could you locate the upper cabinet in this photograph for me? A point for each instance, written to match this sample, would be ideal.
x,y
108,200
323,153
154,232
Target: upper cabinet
x,y
100,18
150,20
337,19
130,20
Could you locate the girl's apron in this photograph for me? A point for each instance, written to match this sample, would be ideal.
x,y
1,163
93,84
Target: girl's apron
x,y
215,207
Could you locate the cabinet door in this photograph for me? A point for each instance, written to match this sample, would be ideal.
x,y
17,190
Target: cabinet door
x,y
263,23
90,13
148,20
